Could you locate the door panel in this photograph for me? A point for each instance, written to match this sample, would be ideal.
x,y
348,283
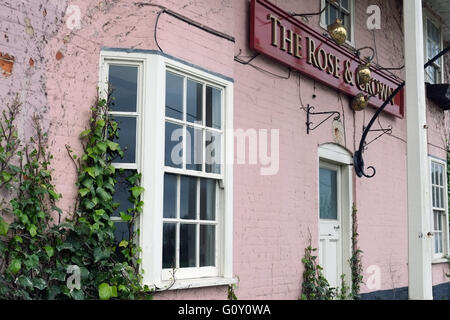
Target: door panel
x,y
330,251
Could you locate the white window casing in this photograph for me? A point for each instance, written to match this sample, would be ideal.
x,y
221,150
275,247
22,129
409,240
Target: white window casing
x,y
150,162
428,17
439,206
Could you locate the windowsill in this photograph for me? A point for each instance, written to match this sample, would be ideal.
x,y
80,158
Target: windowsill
x,y
439,260
197,283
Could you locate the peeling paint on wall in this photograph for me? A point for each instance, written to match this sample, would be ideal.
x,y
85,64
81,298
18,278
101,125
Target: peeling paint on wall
x,y
6,64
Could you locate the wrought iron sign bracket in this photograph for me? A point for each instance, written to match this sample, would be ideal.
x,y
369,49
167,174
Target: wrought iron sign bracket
x,y
358,160
309,113
383,131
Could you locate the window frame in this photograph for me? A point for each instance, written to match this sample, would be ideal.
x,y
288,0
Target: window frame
x,y
323,24
151,163
105,62
427,16
439,257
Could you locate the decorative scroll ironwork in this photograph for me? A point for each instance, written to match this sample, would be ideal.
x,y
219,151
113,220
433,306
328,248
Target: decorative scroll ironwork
x,y
309,114
358,160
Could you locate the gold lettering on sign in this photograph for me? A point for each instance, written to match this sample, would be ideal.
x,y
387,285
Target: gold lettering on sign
x,y
287,40
390,93
298,46
348,74
322,59
275,23
311,48
331,67
337,71
290,42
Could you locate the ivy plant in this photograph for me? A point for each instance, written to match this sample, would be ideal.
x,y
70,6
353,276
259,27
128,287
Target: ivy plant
x,y
36,252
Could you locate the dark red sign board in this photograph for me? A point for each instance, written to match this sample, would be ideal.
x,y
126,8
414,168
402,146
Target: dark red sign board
x,y
309,52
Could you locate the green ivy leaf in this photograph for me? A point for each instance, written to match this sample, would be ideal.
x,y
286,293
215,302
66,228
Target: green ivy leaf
x,y
15,266
123,244
53,194
85,134
100,254
104,291
32,230
25,282
105,196
125,217
32,262
84,192
50,251
4,227
101,123
65,246
6,176
137,191
90,171
102,146
113,146
39,283
77,294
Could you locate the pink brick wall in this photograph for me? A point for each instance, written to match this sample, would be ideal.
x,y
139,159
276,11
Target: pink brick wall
x,y
272,214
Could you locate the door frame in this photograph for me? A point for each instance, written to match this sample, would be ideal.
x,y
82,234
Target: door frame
x,y
337,155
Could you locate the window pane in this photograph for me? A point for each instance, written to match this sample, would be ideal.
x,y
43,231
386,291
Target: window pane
x,y
333,14
123,80
194,101
344,4
346,22
187,245
174,96
208,199
439,226
328,193
169,230
207,246
122,231
436,218
433,40
434,193
127,139
194,149
213,152
170,196
122,192
174,145
213,108
188,198
436,242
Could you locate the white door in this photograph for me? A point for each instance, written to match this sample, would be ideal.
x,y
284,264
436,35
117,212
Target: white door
x,y
330,252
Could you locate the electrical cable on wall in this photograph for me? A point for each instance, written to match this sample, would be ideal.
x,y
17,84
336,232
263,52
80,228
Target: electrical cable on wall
x,y
185,19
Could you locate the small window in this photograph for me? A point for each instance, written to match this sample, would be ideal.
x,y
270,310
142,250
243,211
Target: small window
x,y
331,13
439,208
433,45
172,118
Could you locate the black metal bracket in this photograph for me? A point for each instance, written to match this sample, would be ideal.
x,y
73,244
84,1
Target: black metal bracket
x,y
383,131
358,160
309,114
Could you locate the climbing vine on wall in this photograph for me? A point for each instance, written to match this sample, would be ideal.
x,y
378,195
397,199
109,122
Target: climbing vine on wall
x,y
355,260
36,252
316,287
